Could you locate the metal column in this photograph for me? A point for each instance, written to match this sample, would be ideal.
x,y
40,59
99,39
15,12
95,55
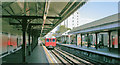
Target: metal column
x,y
96,41
29,30
24,25
109,33
88,40
76,40
32,40
81,40
65,39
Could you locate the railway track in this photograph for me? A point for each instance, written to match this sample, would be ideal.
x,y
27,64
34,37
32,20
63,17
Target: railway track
x,y
68,59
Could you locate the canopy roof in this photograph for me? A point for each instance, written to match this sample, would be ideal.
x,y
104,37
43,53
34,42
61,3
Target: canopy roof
x,y
42,16
104,24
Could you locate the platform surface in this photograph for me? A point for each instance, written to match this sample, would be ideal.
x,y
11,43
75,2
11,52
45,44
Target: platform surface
x,y
37,56
99,51
13,57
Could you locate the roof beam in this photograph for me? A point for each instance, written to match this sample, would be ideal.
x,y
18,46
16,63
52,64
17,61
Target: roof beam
x,y
7,12
11,9
3,6
33,24
28,17
73,8
25,8
11,14
47,4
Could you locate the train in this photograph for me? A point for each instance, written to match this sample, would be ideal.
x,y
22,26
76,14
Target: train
x,y
50,43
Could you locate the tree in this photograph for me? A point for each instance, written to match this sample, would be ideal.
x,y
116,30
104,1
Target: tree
x,y
54,34
62,29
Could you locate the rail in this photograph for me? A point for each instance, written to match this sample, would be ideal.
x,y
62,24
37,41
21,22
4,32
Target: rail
x,y
90,56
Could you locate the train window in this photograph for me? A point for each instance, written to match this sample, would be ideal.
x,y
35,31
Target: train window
x,y
53,40
47,40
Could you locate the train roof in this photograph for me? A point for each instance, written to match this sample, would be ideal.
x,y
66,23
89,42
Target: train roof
x,y
51,37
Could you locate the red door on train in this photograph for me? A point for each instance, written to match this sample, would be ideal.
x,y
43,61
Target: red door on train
x,y
53,41
47,41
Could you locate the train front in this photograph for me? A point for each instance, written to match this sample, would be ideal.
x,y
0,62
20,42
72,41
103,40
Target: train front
x,y
50,42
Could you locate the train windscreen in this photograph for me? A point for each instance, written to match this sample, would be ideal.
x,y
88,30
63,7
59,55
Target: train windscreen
x,y
47,40
53,40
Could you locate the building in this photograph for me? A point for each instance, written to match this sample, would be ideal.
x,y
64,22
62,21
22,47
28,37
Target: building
x,y
72,21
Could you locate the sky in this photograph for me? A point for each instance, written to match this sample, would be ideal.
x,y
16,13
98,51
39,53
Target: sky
x,y
97,9
92,11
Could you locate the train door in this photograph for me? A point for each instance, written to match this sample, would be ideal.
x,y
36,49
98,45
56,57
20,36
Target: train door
x,y
54,41
50,41
47,42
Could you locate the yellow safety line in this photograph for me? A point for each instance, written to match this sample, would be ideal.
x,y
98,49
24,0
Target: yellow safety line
x,y
48,55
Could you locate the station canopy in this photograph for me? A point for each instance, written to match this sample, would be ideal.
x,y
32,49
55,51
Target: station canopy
x,y
42,16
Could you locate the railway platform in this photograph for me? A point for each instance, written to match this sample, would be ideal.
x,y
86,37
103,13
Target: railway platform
x,y
40,55
99,54
104,51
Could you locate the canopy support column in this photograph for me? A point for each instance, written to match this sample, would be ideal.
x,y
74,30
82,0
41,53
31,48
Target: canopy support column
x,y
81,40
96,41
76,39
88,40
109,33
24,25
29,45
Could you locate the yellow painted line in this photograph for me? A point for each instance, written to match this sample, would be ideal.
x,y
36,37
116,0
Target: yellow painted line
x,y
48,55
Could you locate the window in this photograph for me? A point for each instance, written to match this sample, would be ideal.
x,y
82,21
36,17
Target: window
x,y
53,40
47,40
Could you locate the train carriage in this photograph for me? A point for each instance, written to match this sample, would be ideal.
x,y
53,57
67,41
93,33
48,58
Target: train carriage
x,y
50,42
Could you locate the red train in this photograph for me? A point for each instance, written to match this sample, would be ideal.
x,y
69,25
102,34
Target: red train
x,y
50,42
